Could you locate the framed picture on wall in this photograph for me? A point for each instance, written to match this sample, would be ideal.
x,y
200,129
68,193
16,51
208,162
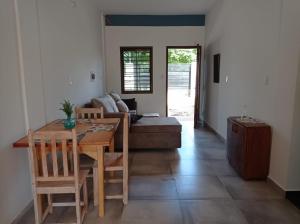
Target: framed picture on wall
x,y
217,58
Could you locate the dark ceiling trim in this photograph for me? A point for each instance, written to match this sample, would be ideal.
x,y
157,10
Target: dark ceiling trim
x,y
155,20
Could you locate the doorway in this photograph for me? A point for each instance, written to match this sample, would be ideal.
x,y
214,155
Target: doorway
x,y
183,87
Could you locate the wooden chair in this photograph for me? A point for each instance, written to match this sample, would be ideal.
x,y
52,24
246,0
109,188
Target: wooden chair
x,y
52,174
89,113
87,163
116,161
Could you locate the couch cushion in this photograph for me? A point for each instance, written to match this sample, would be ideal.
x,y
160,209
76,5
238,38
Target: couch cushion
x,y
106,102
156,124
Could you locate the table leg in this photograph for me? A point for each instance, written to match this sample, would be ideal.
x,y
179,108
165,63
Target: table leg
x,y
111,150
100,152
112,145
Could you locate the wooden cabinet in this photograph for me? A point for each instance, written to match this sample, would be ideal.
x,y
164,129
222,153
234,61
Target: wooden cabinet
x,y
248,147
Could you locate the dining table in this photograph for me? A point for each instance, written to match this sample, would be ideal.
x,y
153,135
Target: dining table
x,y
93,136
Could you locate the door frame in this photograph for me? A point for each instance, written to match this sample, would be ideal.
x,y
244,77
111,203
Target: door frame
x,y
198,75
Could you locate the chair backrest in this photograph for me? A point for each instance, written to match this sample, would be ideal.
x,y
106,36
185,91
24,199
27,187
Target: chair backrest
x,y
53,156
89,113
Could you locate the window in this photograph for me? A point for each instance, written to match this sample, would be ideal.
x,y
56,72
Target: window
x,y
136,69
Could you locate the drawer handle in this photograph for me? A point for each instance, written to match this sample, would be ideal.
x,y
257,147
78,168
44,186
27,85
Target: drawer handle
x,y
235,128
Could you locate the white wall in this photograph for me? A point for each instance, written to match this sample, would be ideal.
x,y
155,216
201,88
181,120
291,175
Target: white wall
x,y
59,44
259,48
294,160
291,58
157,37
15,189
71,49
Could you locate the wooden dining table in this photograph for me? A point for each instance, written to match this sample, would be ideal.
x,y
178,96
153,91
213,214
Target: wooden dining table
x,y
93,136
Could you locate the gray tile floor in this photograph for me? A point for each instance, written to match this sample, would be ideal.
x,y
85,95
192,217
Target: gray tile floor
x,y
191,185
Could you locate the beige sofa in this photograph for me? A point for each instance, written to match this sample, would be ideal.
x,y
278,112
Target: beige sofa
x,y
148,132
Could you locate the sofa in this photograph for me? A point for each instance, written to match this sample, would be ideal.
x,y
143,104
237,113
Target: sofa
x,y
145,133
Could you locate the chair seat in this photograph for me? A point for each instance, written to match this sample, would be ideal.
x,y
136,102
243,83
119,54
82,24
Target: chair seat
x,y
61,187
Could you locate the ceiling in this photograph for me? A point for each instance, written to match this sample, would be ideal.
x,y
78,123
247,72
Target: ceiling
x,y
155,7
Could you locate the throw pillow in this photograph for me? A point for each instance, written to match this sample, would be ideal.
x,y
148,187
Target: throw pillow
x,y
131,103
112,102
122,106
115,96
102,102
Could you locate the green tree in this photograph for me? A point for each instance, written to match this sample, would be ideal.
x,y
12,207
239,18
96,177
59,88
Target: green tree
x,y
182,56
